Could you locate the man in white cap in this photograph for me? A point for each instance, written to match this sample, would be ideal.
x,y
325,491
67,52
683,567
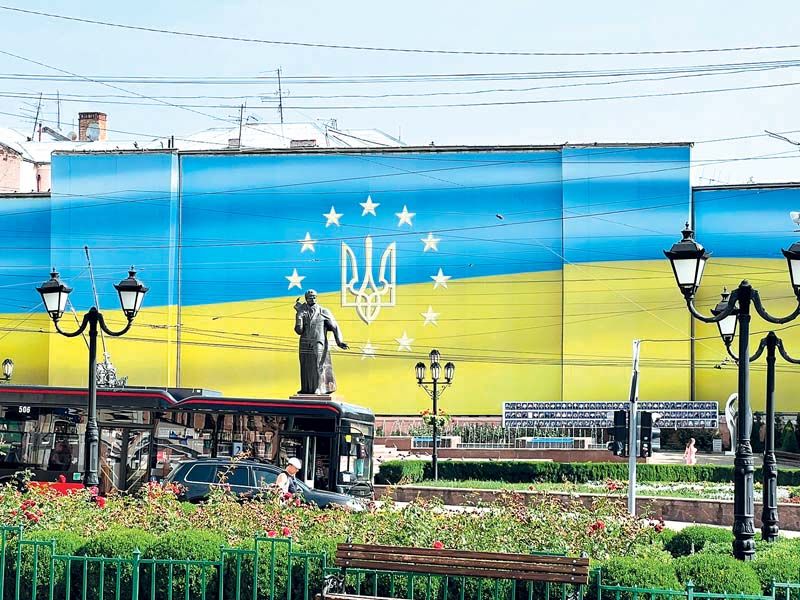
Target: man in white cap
x,y
286,481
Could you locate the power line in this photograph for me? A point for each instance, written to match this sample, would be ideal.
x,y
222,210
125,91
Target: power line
x,y
548,100
392,49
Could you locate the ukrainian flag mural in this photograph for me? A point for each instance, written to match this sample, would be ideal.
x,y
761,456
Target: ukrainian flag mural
x,y
533,269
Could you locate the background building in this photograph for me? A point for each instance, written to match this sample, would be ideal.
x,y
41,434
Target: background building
x,y
533,268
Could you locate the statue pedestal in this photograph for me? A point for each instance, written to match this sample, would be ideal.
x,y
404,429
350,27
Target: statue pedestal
x,y
324,397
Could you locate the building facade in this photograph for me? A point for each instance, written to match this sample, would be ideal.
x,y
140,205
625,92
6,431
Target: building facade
x,y
532,268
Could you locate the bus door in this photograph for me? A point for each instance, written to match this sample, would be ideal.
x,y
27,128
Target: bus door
x,y
124,457
315,453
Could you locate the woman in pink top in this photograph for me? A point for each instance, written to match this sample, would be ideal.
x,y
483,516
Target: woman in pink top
x,y
690,454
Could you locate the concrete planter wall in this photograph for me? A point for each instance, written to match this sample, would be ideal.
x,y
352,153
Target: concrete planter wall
x,y
709,512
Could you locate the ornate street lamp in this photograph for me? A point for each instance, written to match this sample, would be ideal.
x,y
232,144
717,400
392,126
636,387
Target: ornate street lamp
x,y
8,369
727,326
687,258
54,296
434,391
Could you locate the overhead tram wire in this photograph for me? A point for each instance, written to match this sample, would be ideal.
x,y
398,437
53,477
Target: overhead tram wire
x,y
121,89
589,362
390,49
427,78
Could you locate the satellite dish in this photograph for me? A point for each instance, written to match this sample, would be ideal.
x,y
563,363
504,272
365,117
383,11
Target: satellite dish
x,y
93,132
73,136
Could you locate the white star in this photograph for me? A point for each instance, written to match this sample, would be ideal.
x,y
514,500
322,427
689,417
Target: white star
x,y
431,243
333,217
308,243
405,217
295,279
440,279
369,207
430,316
405,342
367,351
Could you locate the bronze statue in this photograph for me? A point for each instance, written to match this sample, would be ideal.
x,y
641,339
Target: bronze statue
x,y
312,324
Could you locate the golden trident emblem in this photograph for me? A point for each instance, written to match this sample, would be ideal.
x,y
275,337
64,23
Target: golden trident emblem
x,y
369,297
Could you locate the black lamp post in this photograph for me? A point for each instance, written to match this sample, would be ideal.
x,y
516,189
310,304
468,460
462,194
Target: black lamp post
x,y
688,258
54,295
434,391
769,510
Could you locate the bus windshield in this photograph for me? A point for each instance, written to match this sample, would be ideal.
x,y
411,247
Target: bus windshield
x,y
355,456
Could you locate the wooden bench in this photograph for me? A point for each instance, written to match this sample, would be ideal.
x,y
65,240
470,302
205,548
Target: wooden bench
x,y
454,564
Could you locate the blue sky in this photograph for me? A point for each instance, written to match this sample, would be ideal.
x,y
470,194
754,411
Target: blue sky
x,y
510,25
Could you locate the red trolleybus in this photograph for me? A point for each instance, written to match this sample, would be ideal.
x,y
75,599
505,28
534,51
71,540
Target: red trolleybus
x,y
145,432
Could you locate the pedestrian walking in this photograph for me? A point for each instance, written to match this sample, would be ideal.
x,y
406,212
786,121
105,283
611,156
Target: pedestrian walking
x,y
690,454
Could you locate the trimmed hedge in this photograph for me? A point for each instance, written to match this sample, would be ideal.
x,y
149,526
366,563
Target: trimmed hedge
x,y
412,471
66,542
779,562
113,543
695,537
190,544
717,574
639,572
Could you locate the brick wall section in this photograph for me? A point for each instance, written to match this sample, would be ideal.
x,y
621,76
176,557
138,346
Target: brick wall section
x,y
10,165
709,512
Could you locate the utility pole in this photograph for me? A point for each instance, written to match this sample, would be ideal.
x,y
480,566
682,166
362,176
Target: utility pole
x,y
36,119
58,109
633,428
280,96
241,117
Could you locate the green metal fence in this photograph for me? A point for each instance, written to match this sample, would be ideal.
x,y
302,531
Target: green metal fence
x,y
779,591
272,569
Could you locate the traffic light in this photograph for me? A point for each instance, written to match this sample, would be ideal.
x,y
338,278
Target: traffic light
x,y
620,432
646,434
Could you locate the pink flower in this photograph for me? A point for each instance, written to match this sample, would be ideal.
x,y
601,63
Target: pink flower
x,y
62,479
286,532
272,533
101,502
286,496
297,501
437,545
94,491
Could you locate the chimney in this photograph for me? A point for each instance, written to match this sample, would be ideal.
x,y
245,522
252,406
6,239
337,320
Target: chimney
x,y
92,126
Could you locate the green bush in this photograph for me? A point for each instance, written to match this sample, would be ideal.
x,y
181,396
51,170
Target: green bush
x,y
695,537
189,544
116,542
717,574
411,471
780,562
666,536
638,572
65,542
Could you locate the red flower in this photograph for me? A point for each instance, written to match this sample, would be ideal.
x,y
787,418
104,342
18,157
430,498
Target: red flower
x,y
596,526
297,501
286,532
31,517
272,533
659,527
62,479
437,545
286,495
101,502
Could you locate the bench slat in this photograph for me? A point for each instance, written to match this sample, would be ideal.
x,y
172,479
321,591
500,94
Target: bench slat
x,y
446,560
424,569
525,558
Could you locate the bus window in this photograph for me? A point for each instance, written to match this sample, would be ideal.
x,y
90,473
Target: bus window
x,y
40,438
